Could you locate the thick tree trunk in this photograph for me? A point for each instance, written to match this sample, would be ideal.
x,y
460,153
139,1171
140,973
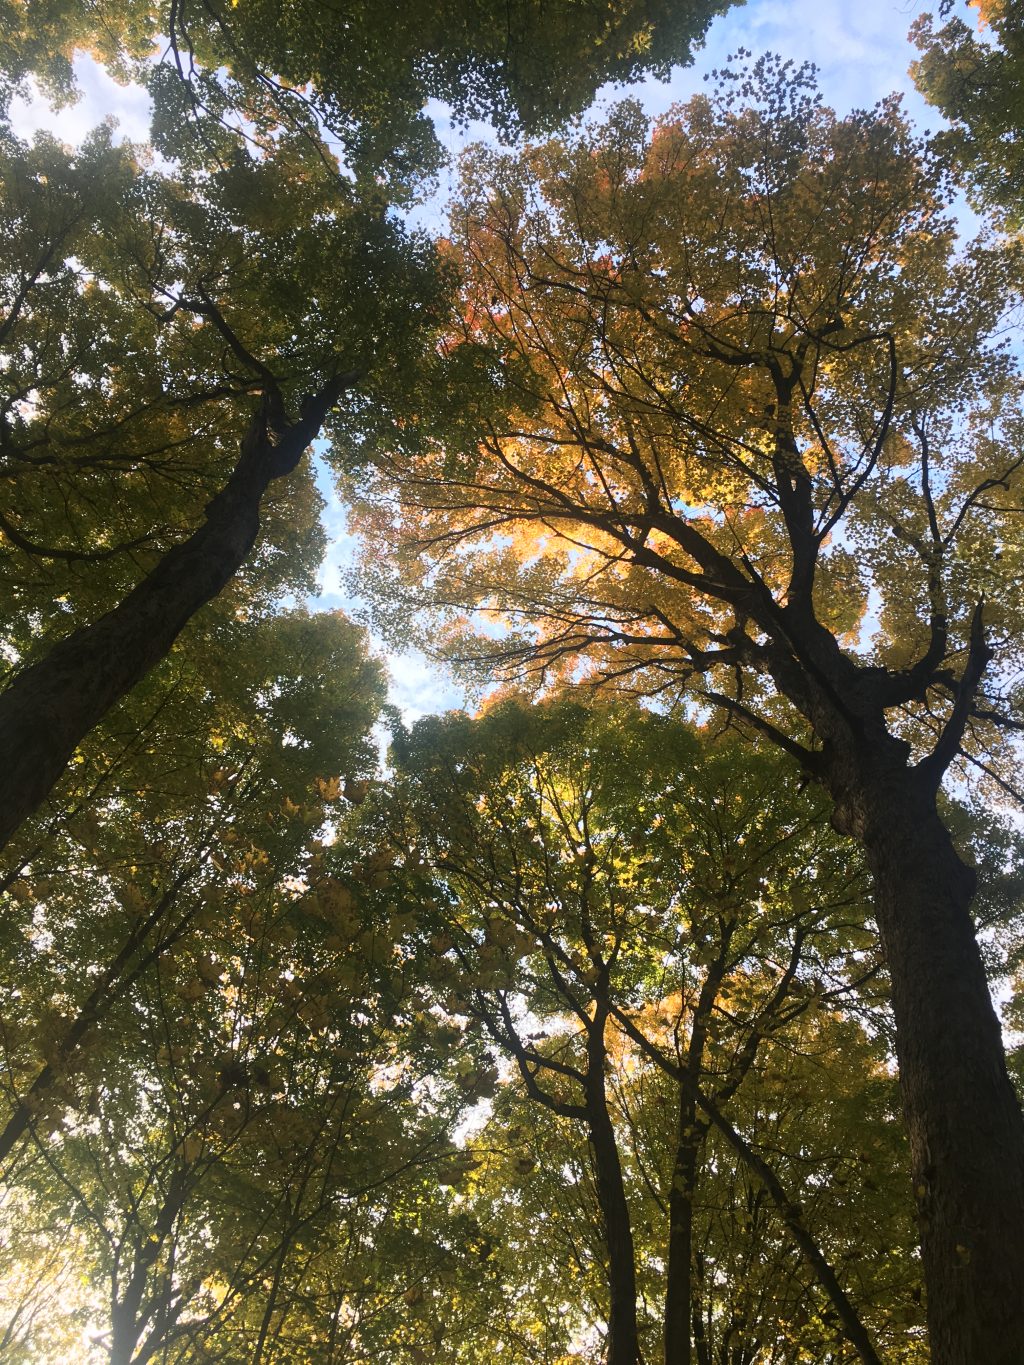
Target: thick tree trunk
x,y
965,1124
963,1119
124,1337
52,705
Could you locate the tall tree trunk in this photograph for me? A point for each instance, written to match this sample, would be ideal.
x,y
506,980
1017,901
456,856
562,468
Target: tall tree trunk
x,y
678,1277
124,1336
963,1119
690,1133
51,706
623,1340
679,1344
700,1335
127,1317
965,1124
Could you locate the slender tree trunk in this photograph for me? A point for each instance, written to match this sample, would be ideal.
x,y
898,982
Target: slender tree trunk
x,y
689,1140
790,1212
52,705
623,1339
678,1277
965,1124
271,1304
700,1338
679,1344
127,1318
124,1313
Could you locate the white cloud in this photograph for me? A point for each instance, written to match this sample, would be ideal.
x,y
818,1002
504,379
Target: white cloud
x,y
420,687
100,97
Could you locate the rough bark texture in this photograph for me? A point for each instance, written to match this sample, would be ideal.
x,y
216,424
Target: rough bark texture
x,y
962,1115
963,1119
50,707
623,1342
678,1277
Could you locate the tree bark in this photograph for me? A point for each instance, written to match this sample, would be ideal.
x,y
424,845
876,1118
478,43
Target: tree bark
x,y
124,1336
52,705
678,1276
690,1134
963,1117
127,1315
623,1339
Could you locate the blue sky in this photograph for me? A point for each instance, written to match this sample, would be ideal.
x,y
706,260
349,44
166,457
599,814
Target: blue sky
x,y
862,53
859,46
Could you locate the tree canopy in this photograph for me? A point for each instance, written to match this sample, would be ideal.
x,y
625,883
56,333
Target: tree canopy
x,y
645,1013
742,387
261,259
977,81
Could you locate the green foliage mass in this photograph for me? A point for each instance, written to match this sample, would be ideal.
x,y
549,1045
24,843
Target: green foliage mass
x,y
569,1028
976,79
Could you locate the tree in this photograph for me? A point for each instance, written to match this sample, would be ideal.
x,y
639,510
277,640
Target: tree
x,y
977,84
100,895
232,1142
109,458
623,897
210,1082
263,262
757,441
368,72
825,1125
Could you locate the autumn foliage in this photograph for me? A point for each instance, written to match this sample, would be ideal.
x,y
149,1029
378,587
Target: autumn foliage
x,y
645,1013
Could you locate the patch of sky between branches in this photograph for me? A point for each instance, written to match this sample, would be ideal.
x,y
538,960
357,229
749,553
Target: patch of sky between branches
x,y
417,685
99,98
